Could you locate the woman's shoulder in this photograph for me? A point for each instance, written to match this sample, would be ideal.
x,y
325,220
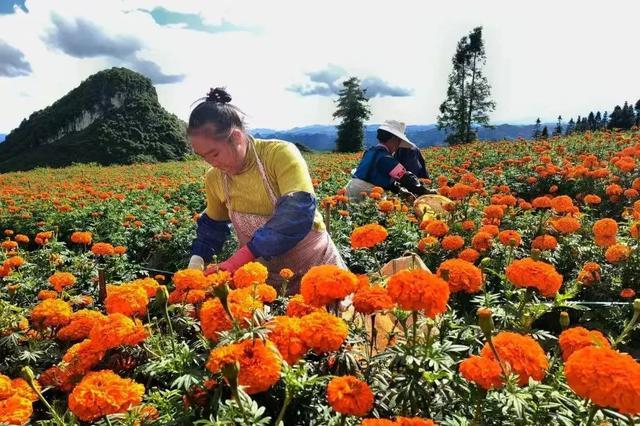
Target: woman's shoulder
x,y
272,148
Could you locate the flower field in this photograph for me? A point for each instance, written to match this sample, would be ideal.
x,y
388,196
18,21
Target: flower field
x,y
526,313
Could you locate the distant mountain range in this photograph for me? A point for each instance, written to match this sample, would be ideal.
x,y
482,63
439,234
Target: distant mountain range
x,y
2,135
322,137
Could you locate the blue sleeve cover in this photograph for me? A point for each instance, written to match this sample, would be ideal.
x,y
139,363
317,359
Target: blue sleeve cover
x,y
210,237
291,221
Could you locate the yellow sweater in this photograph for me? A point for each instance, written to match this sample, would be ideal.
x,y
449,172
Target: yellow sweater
x,y
285,168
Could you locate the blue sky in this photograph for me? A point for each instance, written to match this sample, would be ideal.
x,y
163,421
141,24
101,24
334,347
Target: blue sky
x,y
283,61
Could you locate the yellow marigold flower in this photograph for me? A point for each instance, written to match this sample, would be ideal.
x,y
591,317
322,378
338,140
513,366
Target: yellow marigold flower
x,y
101,393
52,313
15,410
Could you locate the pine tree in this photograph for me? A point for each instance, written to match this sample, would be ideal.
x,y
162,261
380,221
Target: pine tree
x,y
579,128
536,130
584,125
591,121
598,121
545,133
353,109
637,107
558,130
605,120
628,118
468,101
571,127
615,119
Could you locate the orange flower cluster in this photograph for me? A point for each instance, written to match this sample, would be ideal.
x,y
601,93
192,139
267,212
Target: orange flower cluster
x,y
250,274
482,241
617,253
608,378
349,396
370,299
566,224
103,249
297,307
15,410
127,299
285,334
101,393
452,242
589,274
437,228
419,290
60,280
368,236
150,285
576,338
522,355
79,237
116,329
191,286
326,284
323,332
605,231
259,363
214,319
400,421
51,313
510,238
80,326
461,275
483,371
469,255
544,242
535,274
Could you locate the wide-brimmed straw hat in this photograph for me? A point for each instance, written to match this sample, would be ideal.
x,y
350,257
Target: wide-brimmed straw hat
x,y
397,128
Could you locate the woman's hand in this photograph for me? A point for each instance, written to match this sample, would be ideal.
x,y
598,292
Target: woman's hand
x,y
238,259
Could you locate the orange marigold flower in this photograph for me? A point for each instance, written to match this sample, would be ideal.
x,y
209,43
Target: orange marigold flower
x,y
80,326
562,204
544,242
22,239
605,228
613,190
214,318
378,422
102,249
627,293
119,250
468,225
84,238
368,236
9,245
510,238
149,285
261,292
59,280
460,191
634,230
606,377
592,199
386,206
285,334
541,203
542,276
47,294
323,332
117,329
452,242
589,274
482,241
249,274
15,410
419,290
566,224
494,212
349,396
522,354
101,393
259,363
286,274
190,279
617,253
461,275
427,242
297,307
368,300
23,389
127,299
15,261
325,284
437,228
483,371
576,338
470,255
81,358
51,313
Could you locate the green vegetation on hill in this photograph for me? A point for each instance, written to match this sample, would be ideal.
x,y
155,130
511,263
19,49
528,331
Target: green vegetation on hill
x,y
113,117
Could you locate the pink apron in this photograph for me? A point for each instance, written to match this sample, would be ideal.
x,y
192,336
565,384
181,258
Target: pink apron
x,y
316,248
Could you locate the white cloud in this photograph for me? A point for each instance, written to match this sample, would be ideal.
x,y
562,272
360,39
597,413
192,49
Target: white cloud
x,y
544,58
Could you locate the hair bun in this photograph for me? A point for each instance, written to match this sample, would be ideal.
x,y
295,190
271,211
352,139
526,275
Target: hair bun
x,y
218,95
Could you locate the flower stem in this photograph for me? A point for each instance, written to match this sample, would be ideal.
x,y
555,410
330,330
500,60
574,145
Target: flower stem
x,y
287,400
592,414
627,328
